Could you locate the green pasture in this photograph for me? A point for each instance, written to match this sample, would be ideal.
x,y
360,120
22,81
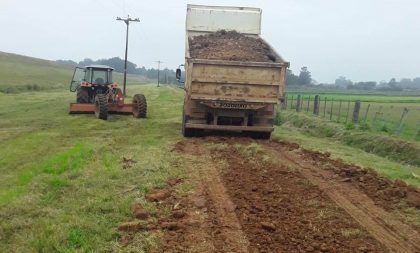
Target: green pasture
x,y
375,115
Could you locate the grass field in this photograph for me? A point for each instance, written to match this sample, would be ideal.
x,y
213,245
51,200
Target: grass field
x,y
378,113
63,187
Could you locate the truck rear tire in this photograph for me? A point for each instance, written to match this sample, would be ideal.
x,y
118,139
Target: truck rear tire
x,y
265,135
82,95
139,106
186,132
260,135
101,106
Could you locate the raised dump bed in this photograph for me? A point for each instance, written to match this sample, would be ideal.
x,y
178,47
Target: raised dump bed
x,y
233,77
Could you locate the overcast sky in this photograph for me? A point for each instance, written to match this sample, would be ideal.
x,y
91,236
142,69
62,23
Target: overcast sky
x,y
360,39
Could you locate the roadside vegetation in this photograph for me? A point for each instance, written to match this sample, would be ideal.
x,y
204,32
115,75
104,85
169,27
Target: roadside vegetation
x,y
390,156
65,186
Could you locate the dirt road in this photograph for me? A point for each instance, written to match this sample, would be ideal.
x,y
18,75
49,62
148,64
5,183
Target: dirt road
x,y
269,196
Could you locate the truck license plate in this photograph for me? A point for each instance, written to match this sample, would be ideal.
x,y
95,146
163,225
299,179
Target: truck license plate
x,y
233,105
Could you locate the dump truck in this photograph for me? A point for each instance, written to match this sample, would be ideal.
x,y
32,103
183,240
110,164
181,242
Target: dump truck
x,y
227,88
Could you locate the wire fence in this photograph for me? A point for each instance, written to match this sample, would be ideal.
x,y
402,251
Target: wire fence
x,y
399,119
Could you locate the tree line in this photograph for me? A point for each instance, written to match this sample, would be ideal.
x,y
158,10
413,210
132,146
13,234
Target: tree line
x,y
166,75
305,79
391,85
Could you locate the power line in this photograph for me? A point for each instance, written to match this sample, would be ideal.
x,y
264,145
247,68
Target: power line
x,y
127,22
159,62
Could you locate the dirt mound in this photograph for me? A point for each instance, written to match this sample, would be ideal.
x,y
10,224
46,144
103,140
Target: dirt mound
x,y
230,46
386,193
281,211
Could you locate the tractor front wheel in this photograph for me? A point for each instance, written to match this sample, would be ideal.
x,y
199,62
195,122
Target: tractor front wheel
x,y
82,96
101,106
139,106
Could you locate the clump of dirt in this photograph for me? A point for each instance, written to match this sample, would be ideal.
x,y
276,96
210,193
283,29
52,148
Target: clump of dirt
x,y
139,212
176,223
386,193
157,194
127,162
173,181
230,46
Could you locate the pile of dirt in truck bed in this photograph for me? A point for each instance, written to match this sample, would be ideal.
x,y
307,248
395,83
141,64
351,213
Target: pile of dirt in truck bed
x,y
230,46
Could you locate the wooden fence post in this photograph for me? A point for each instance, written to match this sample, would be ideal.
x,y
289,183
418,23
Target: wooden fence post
x,y
291,104
307,107
284,102
339,112
301,102
325,105
416,133
356,111
376,115
348,110
331,111
400,124
366,114
298,103
316,105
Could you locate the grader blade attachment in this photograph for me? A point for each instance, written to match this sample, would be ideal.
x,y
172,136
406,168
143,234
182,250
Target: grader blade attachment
x,y
78,108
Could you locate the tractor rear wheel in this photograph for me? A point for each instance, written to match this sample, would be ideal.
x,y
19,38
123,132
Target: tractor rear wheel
x,y
82,96
101,106
139,106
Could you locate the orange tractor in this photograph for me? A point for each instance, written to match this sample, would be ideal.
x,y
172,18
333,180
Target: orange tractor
x,y
98,94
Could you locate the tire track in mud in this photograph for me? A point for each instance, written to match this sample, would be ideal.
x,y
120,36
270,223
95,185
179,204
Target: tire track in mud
x,y
267,197
392,233
281,211
212,225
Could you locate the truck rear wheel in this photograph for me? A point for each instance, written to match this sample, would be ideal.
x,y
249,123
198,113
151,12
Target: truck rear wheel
x,y
186,132
260,135
265,135
82,96
139,106
101,107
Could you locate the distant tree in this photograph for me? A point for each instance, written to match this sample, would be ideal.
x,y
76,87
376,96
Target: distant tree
x,y
406,83
343,82
383,83
68,62
305,77
363,86
86,61
416,82
291,79
392,83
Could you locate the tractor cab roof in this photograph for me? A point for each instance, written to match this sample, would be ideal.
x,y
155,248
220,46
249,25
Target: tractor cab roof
x,y
99,67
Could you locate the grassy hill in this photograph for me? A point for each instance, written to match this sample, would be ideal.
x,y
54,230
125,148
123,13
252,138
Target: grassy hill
x,y
22,73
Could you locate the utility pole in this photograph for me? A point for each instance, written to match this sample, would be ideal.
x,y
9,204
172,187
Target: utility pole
x,y
159,62
127,22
